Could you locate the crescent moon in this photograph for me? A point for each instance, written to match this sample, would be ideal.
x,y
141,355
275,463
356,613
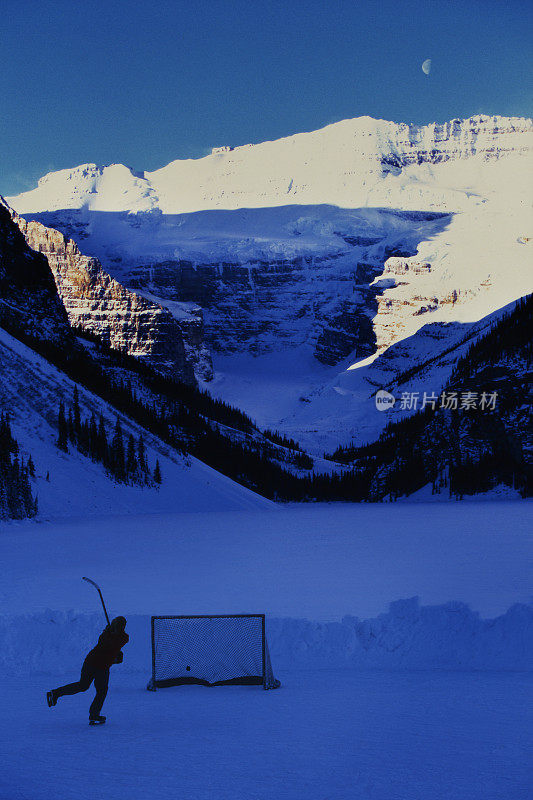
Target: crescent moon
x,y
426,66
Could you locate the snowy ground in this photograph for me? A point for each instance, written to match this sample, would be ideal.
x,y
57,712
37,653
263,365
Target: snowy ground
x,y
315,561
322,407
325,735
359,715
31,388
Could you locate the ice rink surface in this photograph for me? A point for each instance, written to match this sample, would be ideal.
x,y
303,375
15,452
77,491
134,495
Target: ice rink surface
x,y
325,735
318,561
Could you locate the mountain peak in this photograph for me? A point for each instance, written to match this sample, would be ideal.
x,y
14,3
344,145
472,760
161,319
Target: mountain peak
x,y
339,164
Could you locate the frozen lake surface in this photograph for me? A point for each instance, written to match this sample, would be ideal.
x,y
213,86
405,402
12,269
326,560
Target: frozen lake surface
x,y
328,733
317,561
338,735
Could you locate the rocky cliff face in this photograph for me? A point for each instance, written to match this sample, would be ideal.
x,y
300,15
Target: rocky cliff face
x,y
260,307
326,298
100,305
29,301
490,137
307,281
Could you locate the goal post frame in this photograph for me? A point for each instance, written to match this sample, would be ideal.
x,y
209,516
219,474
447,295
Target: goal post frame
x,y
267,680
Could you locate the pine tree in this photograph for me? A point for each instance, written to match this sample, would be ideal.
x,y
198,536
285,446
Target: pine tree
x,y
16,499
157,473
77,414
62,437
102,452
131,461
118,464
93,438
142,454
71,428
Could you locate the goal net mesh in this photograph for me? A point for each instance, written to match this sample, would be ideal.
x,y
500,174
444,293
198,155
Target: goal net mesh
x,y
210,650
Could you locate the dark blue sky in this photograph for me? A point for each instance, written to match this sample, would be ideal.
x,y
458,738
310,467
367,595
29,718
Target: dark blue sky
x,y
145,83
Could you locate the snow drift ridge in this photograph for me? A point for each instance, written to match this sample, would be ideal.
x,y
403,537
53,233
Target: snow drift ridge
x,y
407,637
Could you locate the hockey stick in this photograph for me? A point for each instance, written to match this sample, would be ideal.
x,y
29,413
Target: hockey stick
x,y
100,593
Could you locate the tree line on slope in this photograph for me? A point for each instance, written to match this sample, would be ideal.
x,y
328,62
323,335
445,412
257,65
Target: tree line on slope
x,y
125,463
16,497
458,451
181,416
463,451
281,439
188,394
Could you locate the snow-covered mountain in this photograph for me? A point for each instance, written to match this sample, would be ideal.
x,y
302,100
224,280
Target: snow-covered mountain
x,y
476,448
315,251
342,164
70,484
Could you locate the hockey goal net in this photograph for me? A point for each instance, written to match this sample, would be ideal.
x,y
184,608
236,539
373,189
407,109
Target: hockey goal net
x,y
212,650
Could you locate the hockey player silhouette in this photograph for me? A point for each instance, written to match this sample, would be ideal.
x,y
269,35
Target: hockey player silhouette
x,y
96,667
